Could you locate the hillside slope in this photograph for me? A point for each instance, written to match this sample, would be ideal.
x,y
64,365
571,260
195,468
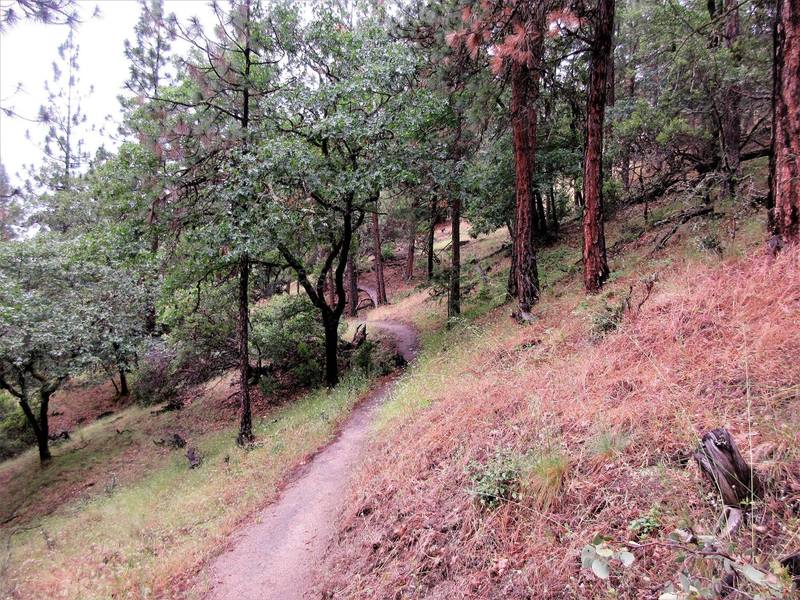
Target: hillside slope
x,y
509,448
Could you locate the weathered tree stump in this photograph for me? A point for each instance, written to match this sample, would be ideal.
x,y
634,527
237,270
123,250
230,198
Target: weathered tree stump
x,y
194,458
719,459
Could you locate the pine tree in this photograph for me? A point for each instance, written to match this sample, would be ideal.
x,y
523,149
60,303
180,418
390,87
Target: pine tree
x,y
785,158
595,263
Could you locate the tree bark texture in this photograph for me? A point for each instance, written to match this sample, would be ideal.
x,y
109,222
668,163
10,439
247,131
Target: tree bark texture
x,y
785,159
454,296
524,277
412,242
376,233
595,263
242,336
352,280
431,237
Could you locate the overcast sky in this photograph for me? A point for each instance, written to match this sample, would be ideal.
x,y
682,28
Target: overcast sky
x,y
27,51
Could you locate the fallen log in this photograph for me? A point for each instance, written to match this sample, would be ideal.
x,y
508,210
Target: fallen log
x,y
719,459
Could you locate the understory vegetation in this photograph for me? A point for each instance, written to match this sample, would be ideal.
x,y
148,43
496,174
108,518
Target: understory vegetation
x,y
551,250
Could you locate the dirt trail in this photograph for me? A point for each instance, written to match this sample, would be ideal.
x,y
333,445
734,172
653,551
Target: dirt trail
x,y
276,557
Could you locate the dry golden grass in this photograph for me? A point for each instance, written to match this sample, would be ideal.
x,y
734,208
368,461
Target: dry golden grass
x,y
613,417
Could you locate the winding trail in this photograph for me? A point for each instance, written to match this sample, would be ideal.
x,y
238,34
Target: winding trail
x,y
276,556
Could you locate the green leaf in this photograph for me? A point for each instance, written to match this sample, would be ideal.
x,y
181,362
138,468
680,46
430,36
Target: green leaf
x,y
600,568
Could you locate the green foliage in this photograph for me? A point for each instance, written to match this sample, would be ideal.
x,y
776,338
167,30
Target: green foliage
x,y
647,524
155,379
608,318
15,434
287,336
496,481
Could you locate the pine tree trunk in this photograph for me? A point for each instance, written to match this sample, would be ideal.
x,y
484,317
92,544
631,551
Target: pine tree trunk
x,y
541,217
595,264
376,233
731,118
554,225
411,247
454,297
431,237
352,279
242,333
785,158
524,277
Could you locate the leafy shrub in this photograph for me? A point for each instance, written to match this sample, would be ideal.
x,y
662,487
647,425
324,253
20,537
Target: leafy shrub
x,y
155,379
608,319
287,336
374,358
15,434
646,524
496,481
387,252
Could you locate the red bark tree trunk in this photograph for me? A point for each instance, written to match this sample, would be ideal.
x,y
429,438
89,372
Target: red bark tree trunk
x,y
524,277
595,263
784,172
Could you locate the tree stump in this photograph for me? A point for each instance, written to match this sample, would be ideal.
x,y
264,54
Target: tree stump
x,y
719,459
194,458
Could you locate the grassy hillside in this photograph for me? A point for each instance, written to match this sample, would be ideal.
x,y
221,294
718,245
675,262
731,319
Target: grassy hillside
x,y
115,515
510,449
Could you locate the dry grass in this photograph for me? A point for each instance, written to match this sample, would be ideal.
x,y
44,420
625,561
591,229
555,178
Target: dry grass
x,y
115,516
715,345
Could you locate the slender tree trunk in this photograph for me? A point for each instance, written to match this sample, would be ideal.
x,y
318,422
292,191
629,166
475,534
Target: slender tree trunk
x,y
242,335
731,117
553,208
454,297
541,217
43,439
331,326
376,233
40,428
431,234
412,242
595,263
524,277
331,289
123,383
784,172
352,279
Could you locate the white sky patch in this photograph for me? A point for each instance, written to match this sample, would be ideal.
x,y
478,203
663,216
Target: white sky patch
x,y
27,51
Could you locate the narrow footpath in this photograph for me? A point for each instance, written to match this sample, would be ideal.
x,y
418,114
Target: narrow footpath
x,y
275,557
